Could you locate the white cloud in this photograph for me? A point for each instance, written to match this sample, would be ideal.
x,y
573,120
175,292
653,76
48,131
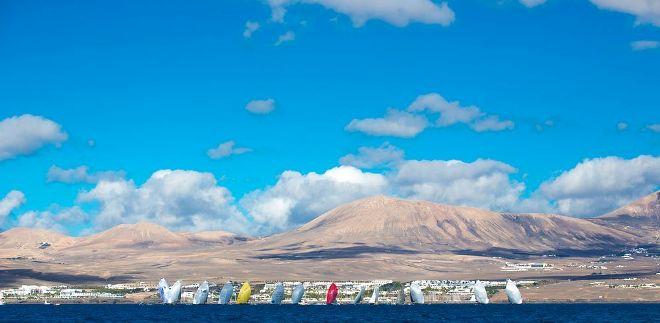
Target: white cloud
x,y
491,123
25,134
226,149
450,112
261,106
598,185
178,199
372,157
644,45
483,183
395,123
532,3
11,201
81,174
646,11
57,220
286,37
298,198
621,126
250,28
654,127
396,12
453,113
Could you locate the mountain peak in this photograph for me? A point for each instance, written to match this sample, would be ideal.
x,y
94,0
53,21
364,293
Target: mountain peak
x,y
645,207
387,222
141,234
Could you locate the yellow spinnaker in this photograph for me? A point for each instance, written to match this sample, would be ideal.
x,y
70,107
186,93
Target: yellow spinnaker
x,y
244,293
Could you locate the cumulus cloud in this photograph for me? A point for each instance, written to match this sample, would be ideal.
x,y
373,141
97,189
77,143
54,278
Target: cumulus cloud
x,y
483,183
250,28
654,127
10,202
395,123
596,186
25,134
181,200
450,112
644,45
453,112
396,12
297,198
261,106
532,3
286,37
646,11
57,220
81,174
373,157
226,149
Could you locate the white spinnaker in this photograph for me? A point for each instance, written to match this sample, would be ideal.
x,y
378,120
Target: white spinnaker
x,y
202,293
480,294
512,292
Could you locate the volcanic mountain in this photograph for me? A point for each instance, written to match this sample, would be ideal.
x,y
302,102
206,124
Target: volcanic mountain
x,y
29,242
640,218
134,236
386,222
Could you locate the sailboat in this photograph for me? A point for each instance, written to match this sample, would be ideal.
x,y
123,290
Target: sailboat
x,y
278,294
374,296
162,289
359,296
480,294
297,294
202,293
225,294
401,297
331,295
169,294
416,295
512,292
173,294
244,294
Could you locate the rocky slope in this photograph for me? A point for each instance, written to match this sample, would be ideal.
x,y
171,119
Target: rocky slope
x,y
420,225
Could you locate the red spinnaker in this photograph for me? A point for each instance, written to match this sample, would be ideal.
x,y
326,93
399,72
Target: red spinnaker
x,y
331,296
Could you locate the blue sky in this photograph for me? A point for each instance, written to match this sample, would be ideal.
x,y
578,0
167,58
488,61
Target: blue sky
x,y
149,86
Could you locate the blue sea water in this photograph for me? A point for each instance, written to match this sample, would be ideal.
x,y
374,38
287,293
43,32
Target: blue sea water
x,y
341,313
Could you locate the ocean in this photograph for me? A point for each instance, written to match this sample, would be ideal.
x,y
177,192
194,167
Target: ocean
x,y
339,313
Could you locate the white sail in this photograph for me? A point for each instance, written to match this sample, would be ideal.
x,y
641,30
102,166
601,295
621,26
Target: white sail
x,y
162,289
202,293
226,293
278,294
297,294
512,292
480,294
416,295
374,296
359,296
173,293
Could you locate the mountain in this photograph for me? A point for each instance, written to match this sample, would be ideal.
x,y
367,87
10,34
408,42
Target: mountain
x,y
30,243
391,223
645,209
143,235
640,218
